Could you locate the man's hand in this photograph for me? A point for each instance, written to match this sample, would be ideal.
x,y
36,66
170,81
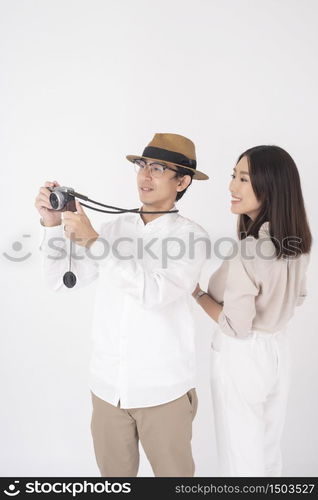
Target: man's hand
x,y
49,216
78,228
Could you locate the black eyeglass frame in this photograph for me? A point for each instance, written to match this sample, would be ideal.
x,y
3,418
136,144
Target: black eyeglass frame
x,y
165,167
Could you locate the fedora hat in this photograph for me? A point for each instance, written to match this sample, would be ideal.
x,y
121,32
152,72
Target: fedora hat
x,y
174,150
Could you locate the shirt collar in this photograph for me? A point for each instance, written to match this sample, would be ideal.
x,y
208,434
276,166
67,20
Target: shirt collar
x,y
162,220
264,229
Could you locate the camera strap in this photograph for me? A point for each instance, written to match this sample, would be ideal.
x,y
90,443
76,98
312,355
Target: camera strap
x,y
69,278
118,210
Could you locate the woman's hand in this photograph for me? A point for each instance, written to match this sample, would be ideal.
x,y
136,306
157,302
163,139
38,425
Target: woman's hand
x,y
197,289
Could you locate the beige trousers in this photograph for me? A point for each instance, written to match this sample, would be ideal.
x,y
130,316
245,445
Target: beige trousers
x,y
165,432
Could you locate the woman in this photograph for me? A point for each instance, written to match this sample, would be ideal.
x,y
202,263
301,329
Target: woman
x,y
252,297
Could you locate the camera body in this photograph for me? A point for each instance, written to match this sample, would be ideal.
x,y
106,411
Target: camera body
x,y
62,199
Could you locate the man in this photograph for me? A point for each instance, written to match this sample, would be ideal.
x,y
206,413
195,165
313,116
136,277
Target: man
x,y
142,374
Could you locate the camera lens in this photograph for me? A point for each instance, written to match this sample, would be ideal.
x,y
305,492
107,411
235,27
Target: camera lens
x,y
54,201
57,200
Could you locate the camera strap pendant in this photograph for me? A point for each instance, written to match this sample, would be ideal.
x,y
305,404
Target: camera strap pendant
x,y
69,278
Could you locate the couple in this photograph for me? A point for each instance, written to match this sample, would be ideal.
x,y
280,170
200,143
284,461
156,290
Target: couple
x,y
142,372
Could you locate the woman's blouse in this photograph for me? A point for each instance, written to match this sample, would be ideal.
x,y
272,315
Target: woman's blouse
x,y
257,290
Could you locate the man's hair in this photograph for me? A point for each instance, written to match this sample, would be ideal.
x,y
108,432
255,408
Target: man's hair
x,y
181,172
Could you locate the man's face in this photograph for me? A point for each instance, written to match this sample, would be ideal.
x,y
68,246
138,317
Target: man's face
x,y
157,184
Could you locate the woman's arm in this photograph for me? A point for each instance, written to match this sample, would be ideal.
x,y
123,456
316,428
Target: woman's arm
x,y
210,306
237,314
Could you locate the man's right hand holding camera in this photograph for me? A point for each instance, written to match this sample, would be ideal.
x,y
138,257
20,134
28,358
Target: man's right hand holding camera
x,y
49,216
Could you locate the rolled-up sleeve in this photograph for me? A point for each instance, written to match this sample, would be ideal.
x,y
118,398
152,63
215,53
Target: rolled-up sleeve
x,y
241,289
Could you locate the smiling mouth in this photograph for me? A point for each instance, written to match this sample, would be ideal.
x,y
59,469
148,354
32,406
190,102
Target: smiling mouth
x,y
146,190
234,199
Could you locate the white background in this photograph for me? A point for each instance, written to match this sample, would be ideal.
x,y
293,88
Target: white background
x,y
83,83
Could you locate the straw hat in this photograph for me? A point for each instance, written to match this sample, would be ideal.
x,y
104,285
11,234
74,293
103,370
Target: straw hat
x,y
174,150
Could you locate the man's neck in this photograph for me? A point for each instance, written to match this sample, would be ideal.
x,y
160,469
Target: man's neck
x,y
153,208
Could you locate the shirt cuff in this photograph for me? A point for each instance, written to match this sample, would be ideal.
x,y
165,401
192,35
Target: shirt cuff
x,y
300,300
46,240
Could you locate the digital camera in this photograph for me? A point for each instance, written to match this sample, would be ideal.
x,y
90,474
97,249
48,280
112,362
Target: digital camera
x,y
62,199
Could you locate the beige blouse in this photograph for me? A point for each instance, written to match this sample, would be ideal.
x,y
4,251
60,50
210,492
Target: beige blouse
x,y
257,290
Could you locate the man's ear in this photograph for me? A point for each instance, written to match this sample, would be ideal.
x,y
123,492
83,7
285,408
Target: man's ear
x,y
184,182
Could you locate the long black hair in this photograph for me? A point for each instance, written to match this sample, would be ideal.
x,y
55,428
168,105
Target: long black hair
x,y
276,184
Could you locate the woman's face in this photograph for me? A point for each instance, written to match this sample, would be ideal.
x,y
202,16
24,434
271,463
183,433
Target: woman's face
x,y
243,200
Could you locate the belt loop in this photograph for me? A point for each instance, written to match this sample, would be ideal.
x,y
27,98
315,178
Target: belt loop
x,y
277,354
253,338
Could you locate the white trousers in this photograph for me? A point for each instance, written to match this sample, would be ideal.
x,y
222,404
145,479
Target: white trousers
x,y
249,383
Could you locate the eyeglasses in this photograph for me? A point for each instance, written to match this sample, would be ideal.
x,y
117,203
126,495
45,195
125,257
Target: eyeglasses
x,y
156,169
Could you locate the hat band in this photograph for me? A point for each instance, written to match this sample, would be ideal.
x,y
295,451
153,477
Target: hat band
x,y
170,156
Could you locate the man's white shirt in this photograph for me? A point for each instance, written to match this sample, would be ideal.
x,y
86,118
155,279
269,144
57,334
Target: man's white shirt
x,y
143,351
